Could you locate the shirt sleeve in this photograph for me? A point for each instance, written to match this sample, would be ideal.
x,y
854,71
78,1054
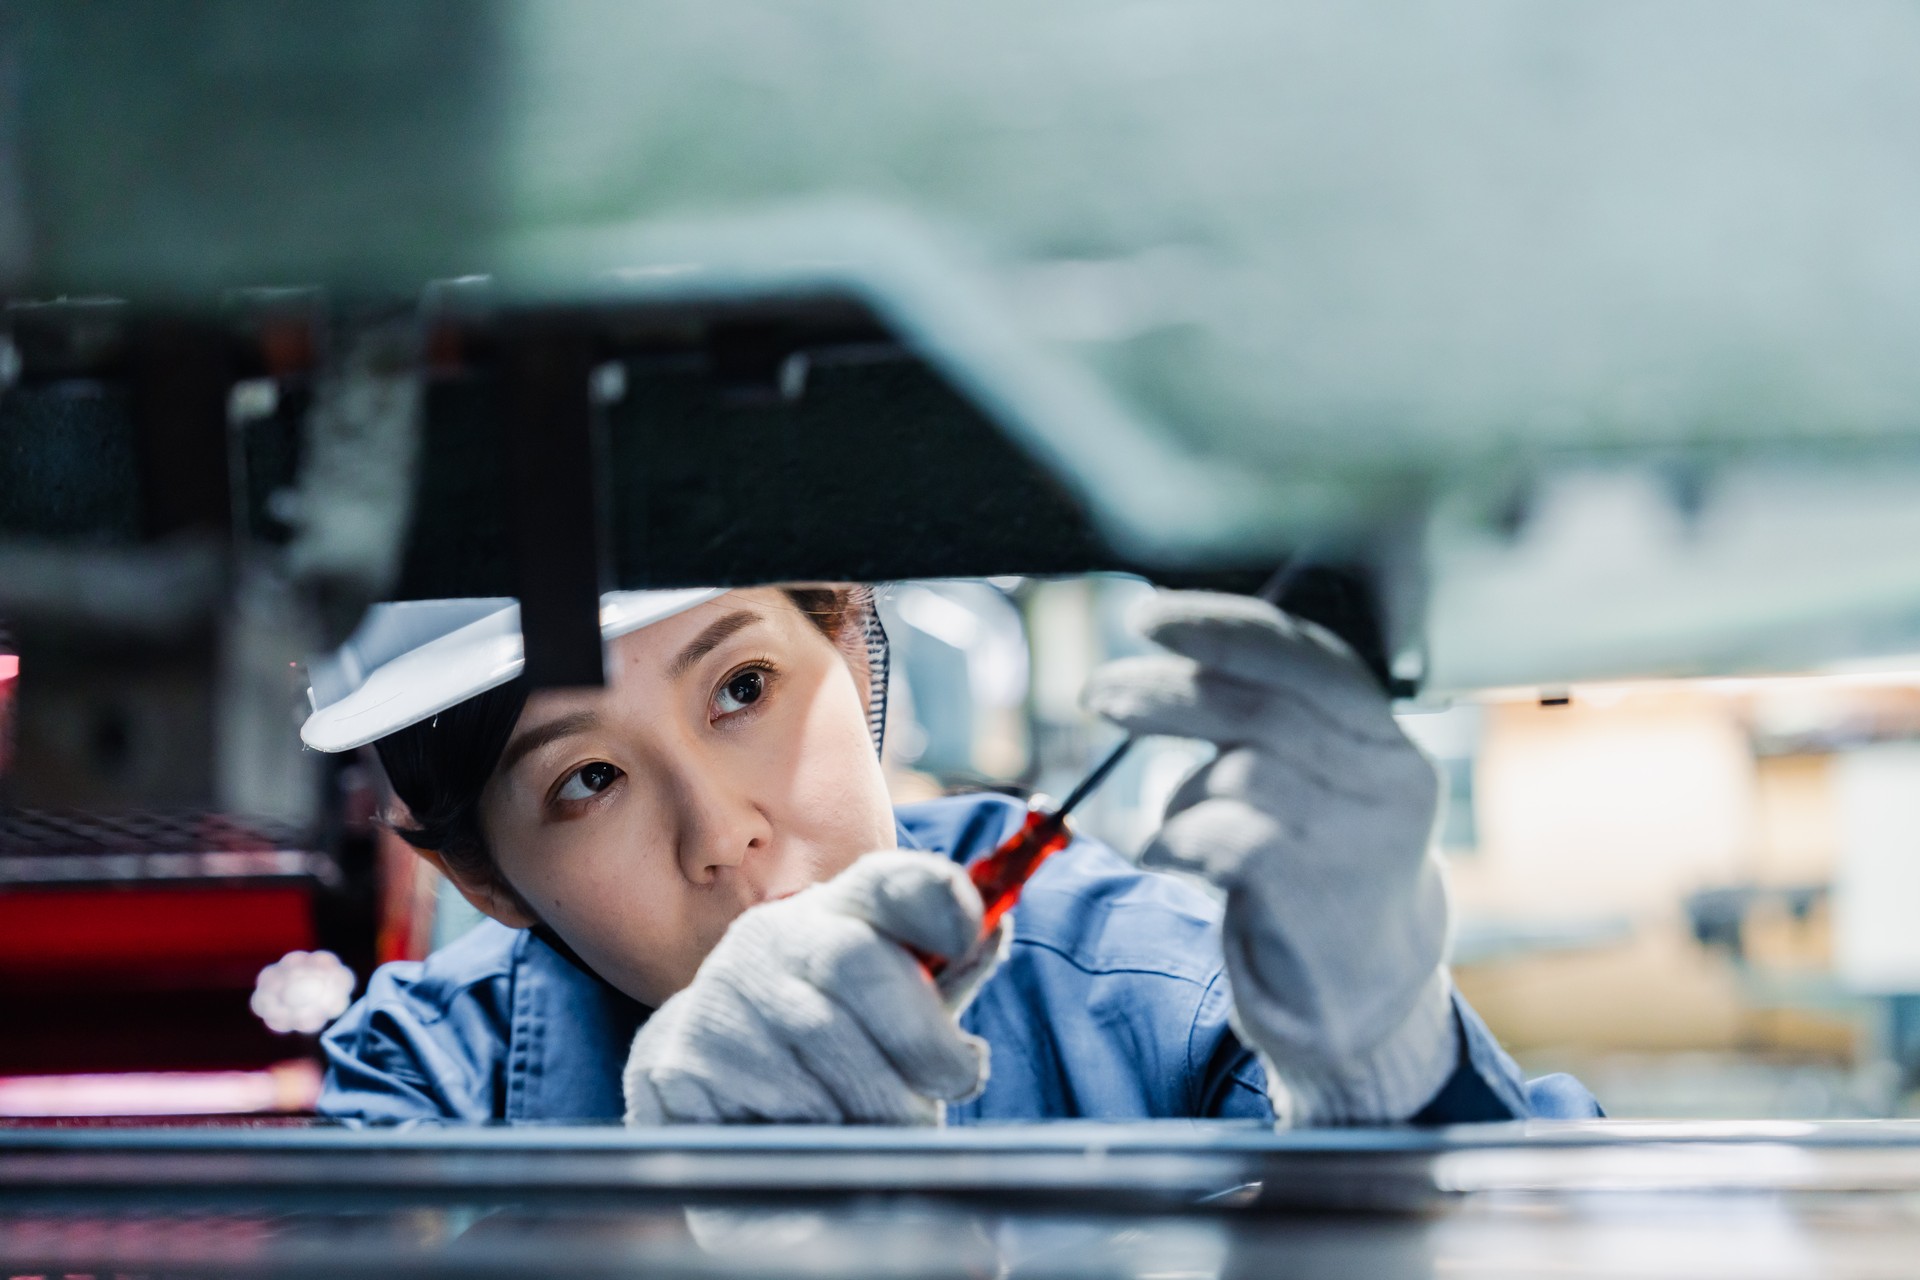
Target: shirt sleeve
x,y
1486,1084
1230,1082
1115,1002
396,1057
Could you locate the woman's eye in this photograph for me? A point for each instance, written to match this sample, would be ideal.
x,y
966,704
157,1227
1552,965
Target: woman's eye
x,y
588,781
741,690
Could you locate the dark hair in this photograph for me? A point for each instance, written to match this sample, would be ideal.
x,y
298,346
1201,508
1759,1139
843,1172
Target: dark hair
x,y
439,767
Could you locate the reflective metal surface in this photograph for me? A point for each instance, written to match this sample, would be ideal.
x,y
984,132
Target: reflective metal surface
x,y
1164,1200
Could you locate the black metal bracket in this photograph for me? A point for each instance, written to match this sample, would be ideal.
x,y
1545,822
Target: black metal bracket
x,y
556,448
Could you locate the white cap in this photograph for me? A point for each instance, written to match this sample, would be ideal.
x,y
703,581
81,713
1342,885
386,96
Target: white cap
x,y
412,660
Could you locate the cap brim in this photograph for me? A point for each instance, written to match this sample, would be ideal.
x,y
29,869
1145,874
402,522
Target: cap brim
x,y
463,664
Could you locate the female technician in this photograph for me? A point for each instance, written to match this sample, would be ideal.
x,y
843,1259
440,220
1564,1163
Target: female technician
x,y
702,902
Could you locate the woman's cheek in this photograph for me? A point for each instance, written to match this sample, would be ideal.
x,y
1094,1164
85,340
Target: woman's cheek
x,y
598,887
851,817
653,932
826,766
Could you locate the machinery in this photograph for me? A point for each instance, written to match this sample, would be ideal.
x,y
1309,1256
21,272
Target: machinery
x,y
1562,343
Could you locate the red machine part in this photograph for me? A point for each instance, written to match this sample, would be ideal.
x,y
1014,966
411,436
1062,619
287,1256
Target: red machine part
x,y
137,978
151,937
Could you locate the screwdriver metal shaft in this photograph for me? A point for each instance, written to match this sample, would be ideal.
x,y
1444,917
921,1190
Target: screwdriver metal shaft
x,y
1002,874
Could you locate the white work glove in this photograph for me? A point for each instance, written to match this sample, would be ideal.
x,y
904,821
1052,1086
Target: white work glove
x,y
811,1010
1316,818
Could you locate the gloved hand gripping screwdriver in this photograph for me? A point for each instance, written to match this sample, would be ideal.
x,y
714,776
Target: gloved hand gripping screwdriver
x,y
1002,874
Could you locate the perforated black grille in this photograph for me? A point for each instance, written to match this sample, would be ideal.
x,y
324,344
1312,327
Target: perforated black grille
x,y
44,847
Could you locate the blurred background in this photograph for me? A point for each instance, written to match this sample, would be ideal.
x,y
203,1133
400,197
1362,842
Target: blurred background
x,y
1688,892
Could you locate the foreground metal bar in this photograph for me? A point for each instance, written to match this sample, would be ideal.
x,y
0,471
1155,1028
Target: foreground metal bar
x,y
1199,1200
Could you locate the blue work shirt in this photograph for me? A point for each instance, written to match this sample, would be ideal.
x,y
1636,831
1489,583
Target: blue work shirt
x,y
1111,1005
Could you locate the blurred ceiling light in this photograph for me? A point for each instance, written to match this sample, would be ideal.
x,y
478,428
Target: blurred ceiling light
x,y
993,642
947,621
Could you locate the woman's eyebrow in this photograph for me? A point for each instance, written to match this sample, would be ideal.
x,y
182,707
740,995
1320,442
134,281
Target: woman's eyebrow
x,y
716,634
540,735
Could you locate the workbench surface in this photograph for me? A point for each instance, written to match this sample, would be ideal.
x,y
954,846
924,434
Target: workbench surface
x,y
1162,1200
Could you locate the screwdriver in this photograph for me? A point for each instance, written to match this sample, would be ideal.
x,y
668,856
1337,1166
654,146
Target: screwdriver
x,y
1002,874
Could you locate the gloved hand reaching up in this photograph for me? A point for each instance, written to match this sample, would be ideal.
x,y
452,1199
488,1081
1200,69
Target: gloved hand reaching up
x,y
1316,818
812,1011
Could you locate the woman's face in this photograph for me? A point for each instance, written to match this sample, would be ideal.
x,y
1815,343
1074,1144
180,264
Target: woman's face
x,y
726,763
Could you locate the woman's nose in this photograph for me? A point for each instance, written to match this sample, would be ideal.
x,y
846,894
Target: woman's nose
x,y
725,831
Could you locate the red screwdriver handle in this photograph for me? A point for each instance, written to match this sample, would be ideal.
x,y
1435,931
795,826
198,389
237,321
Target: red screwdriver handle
x,y
1003,873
